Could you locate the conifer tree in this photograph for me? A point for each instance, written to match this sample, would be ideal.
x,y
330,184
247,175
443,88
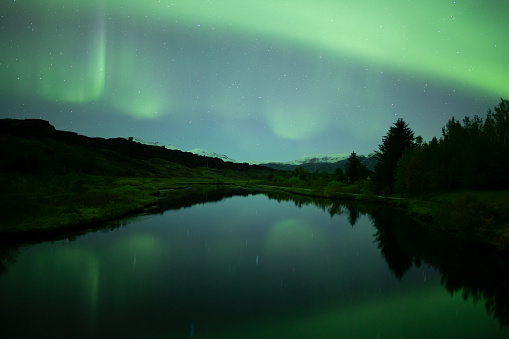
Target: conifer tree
x,y
354,169
399,138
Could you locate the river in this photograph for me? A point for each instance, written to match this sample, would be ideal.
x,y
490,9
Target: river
x,y
241,265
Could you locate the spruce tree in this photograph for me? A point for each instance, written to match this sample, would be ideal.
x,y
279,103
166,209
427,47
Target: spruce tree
x,y
355,170
399,138
352,168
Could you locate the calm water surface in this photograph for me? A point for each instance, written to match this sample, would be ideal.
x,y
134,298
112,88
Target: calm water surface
x,y
253,267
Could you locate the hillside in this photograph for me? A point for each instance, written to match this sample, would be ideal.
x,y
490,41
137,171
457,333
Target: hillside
x,y
35,145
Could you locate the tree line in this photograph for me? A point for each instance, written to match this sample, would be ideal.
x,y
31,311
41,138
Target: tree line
x,y
471,154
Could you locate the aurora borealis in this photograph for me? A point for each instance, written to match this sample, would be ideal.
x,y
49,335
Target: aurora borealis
x,y
255,80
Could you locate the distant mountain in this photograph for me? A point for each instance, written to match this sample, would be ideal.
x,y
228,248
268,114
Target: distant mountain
x,y
210,154
319,158
311,163
321,162
150,143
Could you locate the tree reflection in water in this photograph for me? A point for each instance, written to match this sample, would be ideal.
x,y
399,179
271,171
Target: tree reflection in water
x,y
478,274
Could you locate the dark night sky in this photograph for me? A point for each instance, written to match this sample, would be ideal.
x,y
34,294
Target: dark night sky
x,y
255,80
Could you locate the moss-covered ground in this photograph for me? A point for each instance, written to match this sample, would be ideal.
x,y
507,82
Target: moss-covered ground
x,y
44,203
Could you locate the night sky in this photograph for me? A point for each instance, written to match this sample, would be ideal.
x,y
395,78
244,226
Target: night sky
x,y
255,80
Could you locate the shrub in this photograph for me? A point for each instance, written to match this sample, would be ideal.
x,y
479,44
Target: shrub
x,y
353,189
278,180
367,187
333,188
295,182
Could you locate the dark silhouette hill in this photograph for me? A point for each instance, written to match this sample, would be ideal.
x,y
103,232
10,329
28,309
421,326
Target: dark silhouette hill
x,y
32,144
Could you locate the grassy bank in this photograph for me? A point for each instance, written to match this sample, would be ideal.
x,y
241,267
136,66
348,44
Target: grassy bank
x,y
479,217
37,204
476,216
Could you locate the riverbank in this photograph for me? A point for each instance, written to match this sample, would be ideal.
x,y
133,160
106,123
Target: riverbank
x,y
478,217
40,205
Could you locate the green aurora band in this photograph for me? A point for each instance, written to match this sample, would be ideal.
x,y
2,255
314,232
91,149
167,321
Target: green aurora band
x,y
99,51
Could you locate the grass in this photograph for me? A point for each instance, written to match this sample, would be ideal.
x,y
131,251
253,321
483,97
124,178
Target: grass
x,y
42,203
479,216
